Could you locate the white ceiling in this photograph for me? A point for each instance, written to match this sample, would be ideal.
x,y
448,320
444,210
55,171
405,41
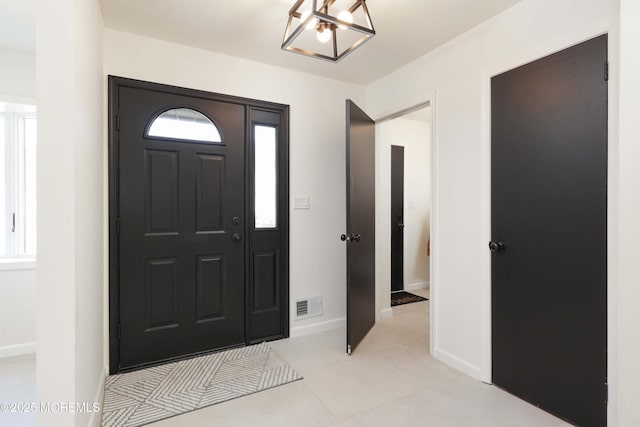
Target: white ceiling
x,y
253,29
18,25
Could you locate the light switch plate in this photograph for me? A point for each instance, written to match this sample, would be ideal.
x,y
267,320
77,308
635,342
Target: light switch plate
x,y
301,202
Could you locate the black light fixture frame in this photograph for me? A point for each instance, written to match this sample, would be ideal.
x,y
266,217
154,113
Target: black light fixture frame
x,y
330,22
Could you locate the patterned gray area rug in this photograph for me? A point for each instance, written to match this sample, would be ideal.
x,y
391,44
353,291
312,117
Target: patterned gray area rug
x,y
152,394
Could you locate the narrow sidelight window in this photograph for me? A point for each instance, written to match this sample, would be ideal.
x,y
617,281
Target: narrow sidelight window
x,y
265,167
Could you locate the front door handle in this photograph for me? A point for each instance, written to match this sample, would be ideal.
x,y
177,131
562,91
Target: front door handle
x,y
496,247
401,226
236,237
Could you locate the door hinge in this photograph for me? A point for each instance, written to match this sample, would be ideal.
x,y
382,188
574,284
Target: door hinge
x,y
606,394
118,227
119,331
606,71
117,121
13,223
349,349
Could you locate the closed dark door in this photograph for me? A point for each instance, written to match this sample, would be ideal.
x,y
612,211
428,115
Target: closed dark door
x,y
397,218
181,225
549,232
360,237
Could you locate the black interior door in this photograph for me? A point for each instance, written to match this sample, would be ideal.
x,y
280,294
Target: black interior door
x,y
549,230
181,228
360,237
397,218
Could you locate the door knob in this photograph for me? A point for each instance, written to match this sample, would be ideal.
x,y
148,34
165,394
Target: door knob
x,y
350,238
401,225
236,237
236,220
496,246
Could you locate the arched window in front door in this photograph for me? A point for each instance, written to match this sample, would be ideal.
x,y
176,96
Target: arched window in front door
x,y
184,124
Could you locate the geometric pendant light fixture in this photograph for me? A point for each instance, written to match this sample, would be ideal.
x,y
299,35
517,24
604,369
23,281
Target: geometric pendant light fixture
x,y
327,29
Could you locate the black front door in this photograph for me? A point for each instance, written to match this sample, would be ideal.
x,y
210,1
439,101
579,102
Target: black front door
x,y
397,218
182,216
549,229
360,237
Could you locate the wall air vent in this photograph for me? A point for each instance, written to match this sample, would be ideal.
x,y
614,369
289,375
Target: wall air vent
x,y
309,307
302,308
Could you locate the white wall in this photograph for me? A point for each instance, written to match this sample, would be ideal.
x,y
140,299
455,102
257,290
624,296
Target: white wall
x,y
458,73
317,149
415,137
17,74
90,214
70,277
628,352
17,312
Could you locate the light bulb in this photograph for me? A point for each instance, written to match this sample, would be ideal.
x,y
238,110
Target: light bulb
x,y
312,23
345,16
323,35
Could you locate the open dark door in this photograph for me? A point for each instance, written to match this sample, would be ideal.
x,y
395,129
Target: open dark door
x,y
397,218
360,237
549,227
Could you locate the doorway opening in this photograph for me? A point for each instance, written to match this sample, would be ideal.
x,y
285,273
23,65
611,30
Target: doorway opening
x,y
369,144
404,162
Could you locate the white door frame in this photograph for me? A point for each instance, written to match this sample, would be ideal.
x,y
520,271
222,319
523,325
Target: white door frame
x,y
383,246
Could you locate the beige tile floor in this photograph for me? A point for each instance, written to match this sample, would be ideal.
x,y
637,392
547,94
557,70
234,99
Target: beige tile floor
x,y
390,380
18,385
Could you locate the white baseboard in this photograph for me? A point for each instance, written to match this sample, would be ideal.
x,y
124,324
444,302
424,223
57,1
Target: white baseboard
x,y
385,313
457,363
96,417
417,286
17,349
315,328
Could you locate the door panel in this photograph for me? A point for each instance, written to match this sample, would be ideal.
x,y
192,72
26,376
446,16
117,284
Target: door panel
x,y
266,289
161,292
210,287
161,191
361,294
181,267
209,201
549,208
397,218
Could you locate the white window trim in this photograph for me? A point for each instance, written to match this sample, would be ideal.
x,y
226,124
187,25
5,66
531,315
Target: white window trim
x,y
12,264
